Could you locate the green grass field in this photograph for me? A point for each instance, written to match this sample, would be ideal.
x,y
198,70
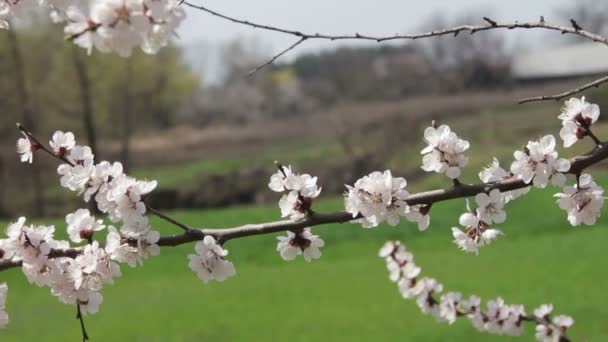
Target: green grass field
x,y
344,296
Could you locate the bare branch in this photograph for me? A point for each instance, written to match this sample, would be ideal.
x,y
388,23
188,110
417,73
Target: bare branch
x,y
163,216
561,96
442,32
575,29
85,336
277,56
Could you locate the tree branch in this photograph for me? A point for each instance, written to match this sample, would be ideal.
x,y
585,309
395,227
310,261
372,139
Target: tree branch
x,y
441,32
277,56
491,25
561,96
578,164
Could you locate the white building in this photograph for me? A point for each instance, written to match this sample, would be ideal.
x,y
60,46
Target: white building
x,y
571,61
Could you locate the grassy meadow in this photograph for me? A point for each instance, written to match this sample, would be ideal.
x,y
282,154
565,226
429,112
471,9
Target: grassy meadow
x,y
344,296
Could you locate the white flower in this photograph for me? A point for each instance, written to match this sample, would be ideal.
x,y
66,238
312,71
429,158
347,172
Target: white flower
x,y
301,190
61,143
445,151
377,197
577,116
563,321
448,306
583,202
543,311
490,207
425,289
132,248
495,173
3,314
93,268
478,233
419,214
300,243
540,163
121,25
75,178
26,149
90,304
81,155
209,263
81,225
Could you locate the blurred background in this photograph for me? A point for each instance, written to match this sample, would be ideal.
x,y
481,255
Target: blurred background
x,y
192,119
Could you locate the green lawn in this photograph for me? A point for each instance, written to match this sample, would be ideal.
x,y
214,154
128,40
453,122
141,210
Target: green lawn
x,y
346,295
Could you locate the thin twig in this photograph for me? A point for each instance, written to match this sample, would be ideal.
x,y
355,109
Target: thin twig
x,y
169,219
575,28
561,96
277,56
85,336
441,32
41,146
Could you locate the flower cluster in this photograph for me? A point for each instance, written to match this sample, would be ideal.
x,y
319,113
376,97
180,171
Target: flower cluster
x,y
116,194
300,191
479,232
550,330
583,201
109,25
380,197
209,262
498,318
577,116
539,163
495,173
3,314
445,151
78,278
74,281
301,242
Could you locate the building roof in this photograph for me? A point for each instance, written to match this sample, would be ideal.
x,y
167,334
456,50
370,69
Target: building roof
x,y
574,60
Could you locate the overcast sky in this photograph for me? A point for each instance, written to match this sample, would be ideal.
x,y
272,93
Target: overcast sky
x,y
379,17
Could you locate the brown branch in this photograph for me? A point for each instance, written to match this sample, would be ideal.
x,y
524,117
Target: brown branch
x,y
428,198
85,336
491,25
169,219
561,96
441,32
277,56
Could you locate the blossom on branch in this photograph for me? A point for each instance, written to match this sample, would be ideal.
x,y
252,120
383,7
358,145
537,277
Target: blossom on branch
x,y
26,149
445,151
499,318
82,226
61,143
478,233
495,173
577,116
539,163
300,190
583,201
379,197
209,262
122,25
551,330
301,242
132,247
